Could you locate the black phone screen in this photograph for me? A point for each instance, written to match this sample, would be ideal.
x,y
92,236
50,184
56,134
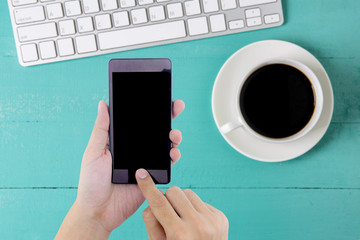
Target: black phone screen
x,y
141,122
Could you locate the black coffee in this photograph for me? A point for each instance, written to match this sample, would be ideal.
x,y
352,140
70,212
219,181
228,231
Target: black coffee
x,y
277,101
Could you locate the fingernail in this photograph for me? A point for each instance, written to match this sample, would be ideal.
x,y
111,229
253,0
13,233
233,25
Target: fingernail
x,y
141,173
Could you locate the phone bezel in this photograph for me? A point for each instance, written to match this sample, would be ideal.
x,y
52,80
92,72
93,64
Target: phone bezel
x,y
137,65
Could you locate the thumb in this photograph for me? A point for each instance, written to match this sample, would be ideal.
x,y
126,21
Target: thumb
x,y
100,134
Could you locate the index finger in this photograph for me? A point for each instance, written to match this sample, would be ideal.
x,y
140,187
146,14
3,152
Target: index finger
x,y
160,206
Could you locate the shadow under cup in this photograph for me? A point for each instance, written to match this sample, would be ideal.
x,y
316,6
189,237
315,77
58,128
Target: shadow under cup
x,y
277,101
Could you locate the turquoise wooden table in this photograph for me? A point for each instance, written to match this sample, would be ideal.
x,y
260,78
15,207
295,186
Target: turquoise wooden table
x,y
47,113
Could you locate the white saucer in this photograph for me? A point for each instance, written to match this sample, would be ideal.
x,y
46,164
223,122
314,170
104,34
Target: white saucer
x,y
234,69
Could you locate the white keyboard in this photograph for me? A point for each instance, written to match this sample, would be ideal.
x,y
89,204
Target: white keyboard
x,y
55,30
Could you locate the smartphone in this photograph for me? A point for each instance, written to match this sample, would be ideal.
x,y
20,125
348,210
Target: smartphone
x,y
140,105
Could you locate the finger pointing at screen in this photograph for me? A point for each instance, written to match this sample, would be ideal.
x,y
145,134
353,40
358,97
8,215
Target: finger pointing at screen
x,y
179,214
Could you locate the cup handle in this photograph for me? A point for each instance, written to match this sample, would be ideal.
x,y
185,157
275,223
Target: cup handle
x,y
230,126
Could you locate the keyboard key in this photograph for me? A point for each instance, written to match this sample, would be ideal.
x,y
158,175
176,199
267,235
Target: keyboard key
x,y
236,24
72,8
109,5
145,2
47,49
273,18
103,21
30,14
228,4
255,12
174,10
253,21
247,3
91,6
85,44
29,52
65,47
36,32
67,27
139,16
217,23
198,26
85,24
210,6
54,11
156,13
23,2
127,3
52,29
121,19
192,7
140,35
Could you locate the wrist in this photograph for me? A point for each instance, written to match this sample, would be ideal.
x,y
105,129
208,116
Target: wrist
x,y
81,224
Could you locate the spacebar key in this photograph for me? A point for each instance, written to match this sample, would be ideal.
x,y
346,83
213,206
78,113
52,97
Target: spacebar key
x,y
248,3
140,35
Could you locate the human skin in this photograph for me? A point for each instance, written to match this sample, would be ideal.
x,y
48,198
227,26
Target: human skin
x,y
101,206
178,215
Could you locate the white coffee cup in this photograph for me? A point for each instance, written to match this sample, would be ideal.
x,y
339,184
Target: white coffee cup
x,y
239,121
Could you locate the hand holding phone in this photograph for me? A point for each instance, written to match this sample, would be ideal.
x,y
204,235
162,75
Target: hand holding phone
x,y
101,206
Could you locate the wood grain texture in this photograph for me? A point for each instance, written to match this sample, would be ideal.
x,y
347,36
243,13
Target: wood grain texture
x,y
47,113
207,160
254,214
